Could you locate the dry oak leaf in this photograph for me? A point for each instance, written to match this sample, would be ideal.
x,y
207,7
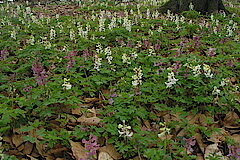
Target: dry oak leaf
x,y
236,138
41,148
213,149
78,150
200,156
89,121
88,100
203,119
31,157
193,119
28,147
111,150
218,137
231,119
104,156
78,111
17,140
199,139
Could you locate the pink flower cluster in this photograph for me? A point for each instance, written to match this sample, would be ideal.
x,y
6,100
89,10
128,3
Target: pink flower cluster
x,y
190,142
3,54
91,147
70,58
39,72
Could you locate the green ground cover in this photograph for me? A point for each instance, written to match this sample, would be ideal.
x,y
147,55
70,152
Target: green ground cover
x,y
135,83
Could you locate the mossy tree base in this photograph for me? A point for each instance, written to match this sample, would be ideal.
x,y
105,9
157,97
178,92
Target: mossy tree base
x,y
203,6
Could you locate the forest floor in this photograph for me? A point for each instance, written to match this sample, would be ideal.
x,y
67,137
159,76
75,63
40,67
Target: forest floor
x,y
113,81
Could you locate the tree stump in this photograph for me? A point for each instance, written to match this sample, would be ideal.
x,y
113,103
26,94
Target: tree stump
x,y
203,6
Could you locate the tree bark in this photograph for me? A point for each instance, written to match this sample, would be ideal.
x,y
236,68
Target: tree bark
x,y
203,6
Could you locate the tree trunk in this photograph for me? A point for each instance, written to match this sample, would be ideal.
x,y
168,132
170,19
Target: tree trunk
x,y
203,6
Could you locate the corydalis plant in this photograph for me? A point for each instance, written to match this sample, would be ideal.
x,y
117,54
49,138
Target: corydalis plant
x,y
125,130
171,80
137,77
91,147
71,59
234,152
3,54
39,72
190,142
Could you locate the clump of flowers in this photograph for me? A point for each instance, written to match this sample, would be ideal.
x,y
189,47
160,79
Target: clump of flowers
x,y
207,71
91,147
215,91
97,62
211,52
171,80
39,72
224,82
13,34
196,70
71,60
190,142
234,151
66,84
137,78
164,130
72,35
108,53
125,130
26,88
52,34
31,40
3,54
126,58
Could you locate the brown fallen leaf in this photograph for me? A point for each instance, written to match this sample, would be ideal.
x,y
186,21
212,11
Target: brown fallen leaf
x,y
41,148
49,157
168,137
231,119
89,121
199,140
193,119
78,111
236,138
57,150
17,140
89,100
200,156
217,137
111,150
35,153
78,150
147,124
21,147
15,152
31,157
104,156
28,146
203,119
7,139
213,149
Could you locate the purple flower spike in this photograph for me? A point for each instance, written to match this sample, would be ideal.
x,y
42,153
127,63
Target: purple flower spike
x,y
3,54
234,151
39,72
197,41
211,52
91,147
190,142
